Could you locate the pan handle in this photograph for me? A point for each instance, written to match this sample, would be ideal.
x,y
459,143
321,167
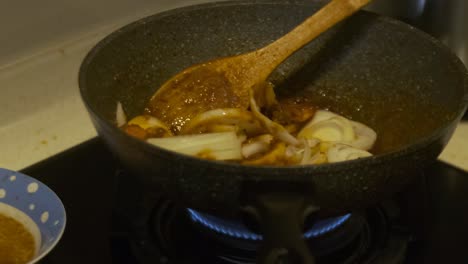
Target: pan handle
x,y
281,218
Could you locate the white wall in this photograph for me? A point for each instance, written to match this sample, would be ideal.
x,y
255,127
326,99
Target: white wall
x,y
30,26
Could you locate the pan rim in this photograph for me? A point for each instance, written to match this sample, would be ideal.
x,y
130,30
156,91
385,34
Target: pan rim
x,y
253,170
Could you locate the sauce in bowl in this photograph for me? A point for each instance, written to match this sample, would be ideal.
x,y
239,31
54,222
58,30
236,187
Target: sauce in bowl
x,y
19,236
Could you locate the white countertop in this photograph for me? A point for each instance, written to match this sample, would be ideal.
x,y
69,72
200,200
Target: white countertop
x,y
42,113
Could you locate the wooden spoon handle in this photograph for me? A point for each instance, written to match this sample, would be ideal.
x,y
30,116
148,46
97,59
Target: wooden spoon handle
x,y
329,15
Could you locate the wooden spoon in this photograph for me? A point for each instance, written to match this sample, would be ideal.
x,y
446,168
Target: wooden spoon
x,y
227,82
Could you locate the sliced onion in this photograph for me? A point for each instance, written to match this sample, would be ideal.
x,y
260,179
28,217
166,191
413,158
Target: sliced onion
x,y
213,119
365,136
293,151
120,116
318,158
342,152
257,145
147,121
274,128
153,126
335,129
242,137
254,148
312,142
265,94
321,115
331,127
274,157
218,146
306,155
270,96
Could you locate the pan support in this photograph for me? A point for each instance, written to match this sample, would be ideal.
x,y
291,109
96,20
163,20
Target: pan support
x,y
280,217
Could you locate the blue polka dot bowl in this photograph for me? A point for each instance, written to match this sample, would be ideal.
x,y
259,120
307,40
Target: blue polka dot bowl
x,y
34,205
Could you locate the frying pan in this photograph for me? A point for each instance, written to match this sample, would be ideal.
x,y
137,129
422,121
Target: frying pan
x,y
378,71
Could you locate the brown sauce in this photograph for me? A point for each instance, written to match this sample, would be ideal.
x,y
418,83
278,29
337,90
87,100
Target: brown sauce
x,y
184,98
16,242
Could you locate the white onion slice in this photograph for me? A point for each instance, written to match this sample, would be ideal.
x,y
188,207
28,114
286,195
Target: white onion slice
x,y
365,136
335,129
147,121
120,116
318,158
321,115
330,127
342,152
306,155
257,145
250,149
274,128
212,119
272,157
220,146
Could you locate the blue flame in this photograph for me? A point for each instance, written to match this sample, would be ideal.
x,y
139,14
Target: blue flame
x,y
237,230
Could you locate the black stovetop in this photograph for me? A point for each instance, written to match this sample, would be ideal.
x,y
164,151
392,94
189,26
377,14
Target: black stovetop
x,y
434,210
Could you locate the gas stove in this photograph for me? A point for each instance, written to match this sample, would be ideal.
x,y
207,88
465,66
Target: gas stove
x,y
110,220
425,224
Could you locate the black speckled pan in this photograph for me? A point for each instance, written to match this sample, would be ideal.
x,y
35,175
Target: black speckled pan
x,y
386,74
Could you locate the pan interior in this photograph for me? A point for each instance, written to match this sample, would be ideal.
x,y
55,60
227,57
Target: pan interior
x,y
368,68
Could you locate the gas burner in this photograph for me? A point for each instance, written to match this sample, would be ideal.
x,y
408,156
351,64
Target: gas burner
x,y
175,235
238,230
348,239
161,231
